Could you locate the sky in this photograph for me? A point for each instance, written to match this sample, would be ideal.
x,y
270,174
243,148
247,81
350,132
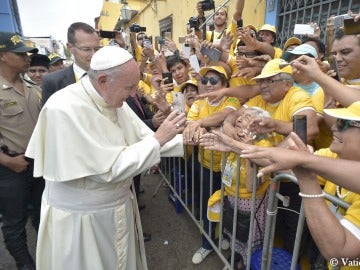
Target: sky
x,y
41,18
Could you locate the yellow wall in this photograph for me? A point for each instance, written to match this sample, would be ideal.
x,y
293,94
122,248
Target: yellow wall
x,y
150,12
109,15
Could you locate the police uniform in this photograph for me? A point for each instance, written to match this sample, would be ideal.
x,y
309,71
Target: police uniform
x,y
20,193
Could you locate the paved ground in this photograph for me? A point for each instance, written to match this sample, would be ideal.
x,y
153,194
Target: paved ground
x,y
174,236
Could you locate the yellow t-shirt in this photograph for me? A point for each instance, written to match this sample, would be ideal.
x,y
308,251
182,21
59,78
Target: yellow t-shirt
x,y
214,34
138,51
243,192
149,81
144,85
351,215
278,52
202,109
232,29
325,152
295,99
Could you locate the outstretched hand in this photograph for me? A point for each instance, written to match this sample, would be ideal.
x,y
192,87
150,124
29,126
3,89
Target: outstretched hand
x,y
216,140
172,125
279,158
215,96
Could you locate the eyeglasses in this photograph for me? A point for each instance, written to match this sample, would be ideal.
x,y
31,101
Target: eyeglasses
x,y
269,81
342,124
213,80
87,50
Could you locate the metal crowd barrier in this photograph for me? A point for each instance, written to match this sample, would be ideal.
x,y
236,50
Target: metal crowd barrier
x,y
179,187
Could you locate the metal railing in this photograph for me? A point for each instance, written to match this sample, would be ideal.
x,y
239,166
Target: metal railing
x,y
176,172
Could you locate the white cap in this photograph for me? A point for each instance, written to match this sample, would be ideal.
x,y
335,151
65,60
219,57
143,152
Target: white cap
x,y
109,57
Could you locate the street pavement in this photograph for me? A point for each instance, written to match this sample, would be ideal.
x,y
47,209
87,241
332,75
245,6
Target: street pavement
x,y
175,237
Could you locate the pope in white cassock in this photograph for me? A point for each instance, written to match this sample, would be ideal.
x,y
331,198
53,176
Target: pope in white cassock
x,y
88,144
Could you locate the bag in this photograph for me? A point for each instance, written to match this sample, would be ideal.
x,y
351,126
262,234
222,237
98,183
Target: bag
x,y
242,222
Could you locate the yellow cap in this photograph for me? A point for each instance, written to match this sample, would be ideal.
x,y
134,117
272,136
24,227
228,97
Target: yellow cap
x,y
268,27
250,26
292,41
273,68
218,69
350,113
185,84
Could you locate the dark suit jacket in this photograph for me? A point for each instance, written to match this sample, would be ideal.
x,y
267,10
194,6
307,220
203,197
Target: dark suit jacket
x,y
148,114
55,81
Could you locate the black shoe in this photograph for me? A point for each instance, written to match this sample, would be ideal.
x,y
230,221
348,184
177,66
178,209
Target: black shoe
x,y
141,207
147,237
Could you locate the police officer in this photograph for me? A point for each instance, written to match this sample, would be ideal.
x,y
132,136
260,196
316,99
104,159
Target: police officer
x,y
20,193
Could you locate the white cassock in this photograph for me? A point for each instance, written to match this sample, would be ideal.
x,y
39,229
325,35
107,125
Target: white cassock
x,y
88,154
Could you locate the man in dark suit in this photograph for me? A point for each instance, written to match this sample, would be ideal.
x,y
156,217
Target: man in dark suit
x,y
83,42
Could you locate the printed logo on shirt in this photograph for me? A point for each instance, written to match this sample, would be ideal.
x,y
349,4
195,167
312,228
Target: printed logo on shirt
x,y
9,104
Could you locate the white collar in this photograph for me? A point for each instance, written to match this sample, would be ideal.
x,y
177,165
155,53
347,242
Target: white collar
x,y
79,72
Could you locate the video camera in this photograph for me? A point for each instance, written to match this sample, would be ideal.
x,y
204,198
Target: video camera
x,y
207,5
135,28
194,23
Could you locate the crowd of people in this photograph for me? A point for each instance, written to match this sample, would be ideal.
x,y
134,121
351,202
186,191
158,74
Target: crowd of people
x,y
75,140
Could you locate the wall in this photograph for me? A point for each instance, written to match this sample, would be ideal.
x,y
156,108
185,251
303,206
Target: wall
x,y
151,12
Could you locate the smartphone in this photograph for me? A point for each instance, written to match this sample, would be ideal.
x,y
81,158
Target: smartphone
x,y
182,39
185,50
212,53
194,63
339,20
334,66
178,102
351,27
107,34
147,43
299,127
303,29
168,77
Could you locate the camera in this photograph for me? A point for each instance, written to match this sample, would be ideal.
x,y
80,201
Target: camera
x,y
194,23
107,34
207,5
135,28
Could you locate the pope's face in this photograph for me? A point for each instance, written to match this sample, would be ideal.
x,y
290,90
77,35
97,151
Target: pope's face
x,y
120,87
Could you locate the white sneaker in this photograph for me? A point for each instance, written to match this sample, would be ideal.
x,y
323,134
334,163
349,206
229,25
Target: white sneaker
x,y
200,255
225,244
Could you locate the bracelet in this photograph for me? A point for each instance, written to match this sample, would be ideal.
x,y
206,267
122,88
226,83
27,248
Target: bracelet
x,y
321,195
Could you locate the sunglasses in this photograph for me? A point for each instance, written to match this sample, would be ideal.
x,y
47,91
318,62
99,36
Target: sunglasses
x,y
342,124
213,80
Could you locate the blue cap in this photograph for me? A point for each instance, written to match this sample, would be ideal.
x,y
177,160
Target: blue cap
x,y
303,49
